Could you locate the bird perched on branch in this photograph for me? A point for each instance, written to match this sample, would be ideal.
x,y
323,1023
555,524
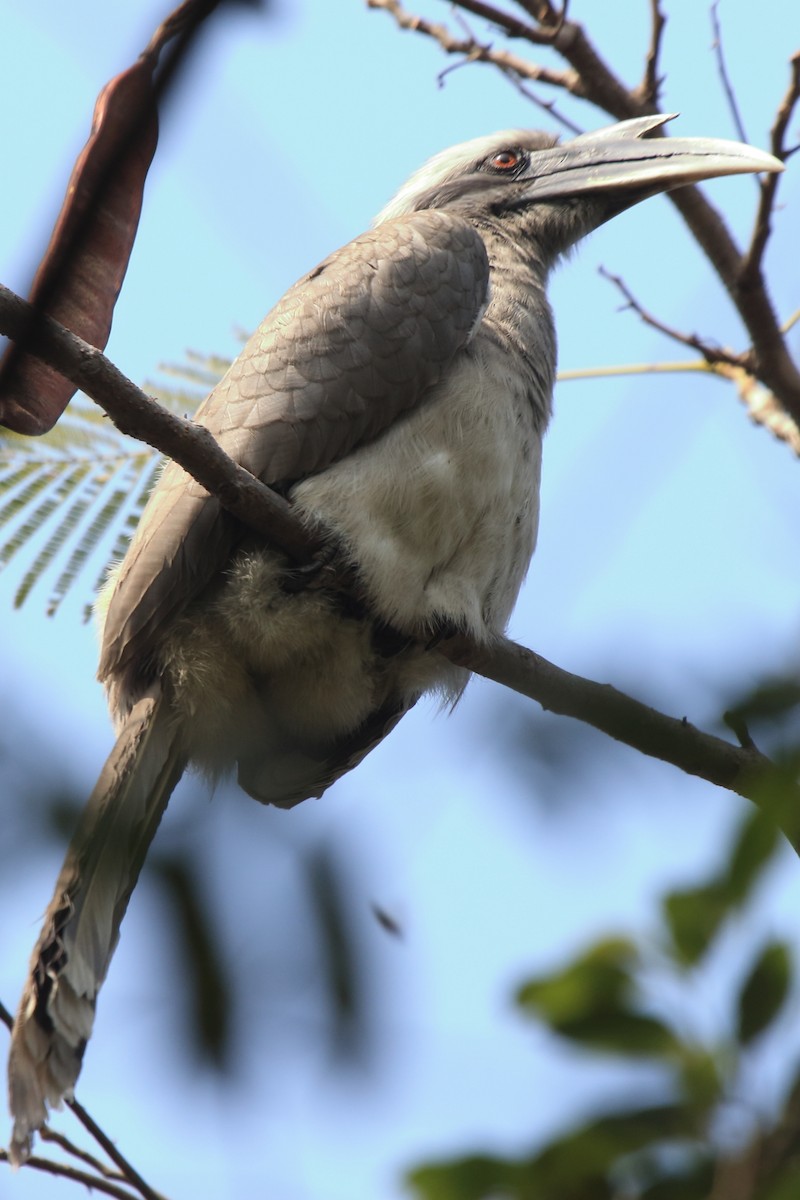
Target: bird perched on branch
x,y
397,396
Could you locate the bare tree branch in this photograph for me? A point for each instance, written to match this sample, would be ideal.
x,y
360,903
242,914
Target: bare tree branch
x,y
474,51
739,769
549,17
620,716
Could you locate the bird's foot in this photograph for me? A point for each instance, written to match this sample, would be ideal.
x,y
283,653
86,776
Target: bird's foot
x,y
298,578
440,628
325,569
387,641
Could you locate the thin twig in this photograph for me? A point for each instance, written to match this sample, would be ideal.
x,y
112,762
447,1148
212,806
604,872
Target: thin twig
x,y
648,91
182,22
511,26
509,64
695,366
548,106
791,321
738,726
68,1146
751,265
129,1172
91,1181
599,84
730,94
711,353
762,407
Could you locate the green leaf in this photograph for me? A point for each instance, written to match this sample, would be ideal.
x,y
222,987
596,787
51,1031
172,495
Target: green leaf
x,y
783,1185
204,973
598,981
764,991
73,499
106,520
341,955
770,699
591,1002
775,791
702,1080
754,847
20,499
693,917
582,1165
692,1183
592,1150
620,1031
466,1179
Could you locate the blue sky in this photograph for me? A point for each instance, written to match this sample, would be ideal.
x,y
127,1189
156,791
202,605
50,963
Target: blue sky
x,y
667,564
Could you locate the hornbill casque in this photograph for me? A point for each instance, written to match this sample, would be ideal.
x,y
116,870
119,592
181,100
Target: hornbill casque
x,y
397,395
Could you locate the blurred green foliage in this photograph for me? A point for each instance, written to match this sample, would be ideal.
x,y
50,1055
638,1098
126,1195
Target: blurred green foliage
x,y
667,1147
694,916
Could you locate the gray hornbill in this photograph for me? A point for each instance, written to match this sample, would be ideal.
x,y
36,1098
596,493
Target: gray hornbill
x,y
397,395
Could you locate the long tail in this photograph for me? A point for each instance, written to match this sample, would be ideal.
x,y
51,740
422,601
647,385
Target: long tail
x,y
81,925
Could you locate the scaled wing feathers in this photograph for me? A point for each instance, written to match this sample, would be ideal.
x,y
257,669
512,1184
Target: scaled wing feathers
x,y
349,349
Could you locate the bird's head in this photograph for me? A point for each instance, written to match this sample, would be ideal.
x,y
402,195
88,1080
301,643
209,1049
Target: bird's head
x,y
564,190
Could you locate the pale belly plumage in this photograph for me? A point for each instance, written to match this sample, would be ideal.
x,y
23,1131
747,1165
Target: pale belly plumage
x,y
441,515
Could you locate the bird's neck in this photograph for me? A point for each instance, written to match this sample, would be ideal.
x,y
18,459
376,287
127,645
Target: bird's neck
x,y
519,316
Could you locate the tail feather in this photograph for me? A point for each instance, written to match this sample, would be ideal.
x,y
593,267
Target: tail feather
x,y
81,926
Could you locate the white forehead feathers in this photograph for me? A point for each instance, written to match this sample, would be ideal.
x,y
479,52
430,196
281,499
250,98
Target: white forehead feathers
x,y
448,164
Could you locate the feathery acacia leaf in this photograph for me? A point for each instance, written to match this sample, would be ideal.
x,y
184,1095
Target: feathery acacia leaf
x,y
77,492
62,495
125,530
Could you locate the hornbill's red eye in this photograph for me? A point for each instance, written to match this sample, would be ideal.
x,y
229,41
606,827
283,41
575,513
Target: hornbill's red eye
x,y
505,160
